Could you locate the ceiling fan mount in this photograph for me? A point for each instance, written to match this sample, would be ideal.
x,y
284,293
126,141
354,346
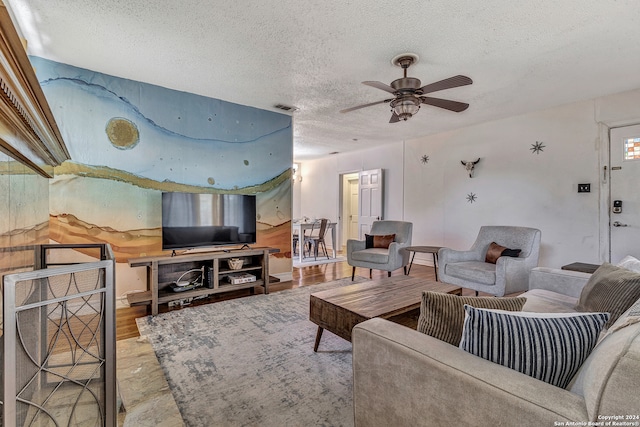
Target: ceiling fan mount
x,y
408,92
404,60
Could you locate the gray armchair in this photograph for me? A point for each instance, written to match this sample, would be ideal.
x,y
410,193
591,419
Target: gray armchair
x,y
392,258
468,269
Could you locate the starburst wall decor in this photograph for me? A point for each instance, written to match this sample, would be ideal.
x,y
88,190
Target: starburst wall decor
x,y
424,159
471,197
537,148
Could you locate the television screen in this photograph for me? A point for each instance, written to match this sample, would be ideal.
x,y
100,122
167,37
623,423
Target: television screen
x,y
193,220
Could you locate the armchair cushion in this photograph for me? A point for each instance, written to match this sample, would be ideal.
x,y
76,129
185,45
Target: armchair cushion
x,y
442,315
375,255
548,346
378,240
611,289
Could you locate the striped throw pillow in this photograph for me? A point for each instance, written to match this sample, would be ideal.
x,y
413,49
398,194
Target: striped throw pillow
x,y
442,315
610,289
548,346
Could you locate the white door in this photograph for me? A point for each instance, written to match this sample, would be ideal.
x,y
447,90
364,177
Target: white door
x,y
370,200
624,227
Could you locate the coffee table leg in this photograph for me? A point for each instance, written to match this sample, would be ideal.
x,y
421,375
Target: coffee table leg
x,y
318,336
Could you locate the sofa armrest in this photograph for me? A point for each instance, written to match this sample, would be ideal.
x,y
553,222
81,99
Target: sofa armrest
x,y
405,378
564,282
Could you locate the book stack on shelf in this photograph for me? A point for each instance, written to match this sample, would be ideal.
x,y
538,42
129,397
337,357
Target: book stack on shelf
x,y
238,278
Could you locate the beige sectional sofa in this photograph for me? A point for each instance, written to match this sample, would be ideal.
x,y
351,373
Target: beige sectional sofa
x,y
405,378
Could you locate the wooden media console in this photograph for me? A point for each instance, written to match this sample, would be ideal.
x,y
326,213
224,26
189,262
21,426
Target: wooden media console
x,y
165,271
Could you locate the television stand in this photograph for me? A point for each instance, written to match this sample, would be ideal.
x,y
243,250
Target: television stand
x,y
162,271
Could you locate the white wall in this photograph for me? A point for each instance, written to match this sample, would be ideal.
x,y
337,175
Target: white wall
x,y
513,185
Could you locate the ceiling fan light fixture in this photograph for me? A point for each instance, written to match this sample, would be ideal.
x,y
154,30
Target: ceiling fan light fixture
x,y
405,107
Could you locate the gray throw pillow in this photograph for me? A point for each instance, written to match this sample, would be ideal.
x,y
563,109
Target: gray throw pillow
x,y
610,289
442,315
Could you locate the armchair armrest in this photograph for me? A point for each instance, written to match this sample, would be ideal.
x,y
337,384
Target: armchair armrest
x,y
405,378
398,257
564,282
355,245
512,273
448,255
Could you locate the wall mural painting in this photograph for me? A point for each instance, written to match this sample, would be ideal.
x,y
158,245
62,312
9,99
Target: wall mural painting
x,y
130,141
23,214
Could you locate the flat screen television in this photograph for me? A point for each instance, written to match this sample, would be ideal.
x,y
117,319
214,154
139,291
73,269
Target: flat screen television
x,y
192,220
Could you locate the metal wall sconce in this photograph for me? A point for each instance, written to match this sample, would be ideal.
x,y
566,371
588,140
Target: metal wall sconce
x,y
295,173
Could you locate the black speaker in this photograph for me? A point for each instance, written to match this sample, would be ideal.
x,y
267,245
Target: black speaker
x,y
206,280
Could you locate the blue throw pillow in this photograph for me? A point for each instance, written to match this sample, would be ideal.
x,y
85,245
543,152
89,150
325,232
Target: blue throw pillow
x,y
548,346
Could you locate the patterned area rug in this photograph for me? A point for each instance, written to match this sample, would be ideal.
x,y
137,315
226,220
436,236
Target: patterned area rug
x,y
250,362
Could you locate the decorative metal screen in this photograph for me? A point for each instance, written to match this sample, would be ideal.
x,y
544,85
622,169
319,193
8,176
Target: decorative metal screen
x,y
59,346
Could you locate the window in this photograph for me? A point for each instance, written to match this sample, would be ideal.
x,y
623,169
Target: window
x,y
632,148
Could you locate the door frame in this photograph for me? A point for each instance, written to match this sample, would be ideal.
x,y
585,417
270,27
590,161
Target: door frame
x,y
342,225
605,189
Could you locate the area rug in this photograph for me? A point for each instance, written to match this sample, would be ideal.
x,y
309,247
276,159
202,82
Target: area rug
x,y
250,362
306,262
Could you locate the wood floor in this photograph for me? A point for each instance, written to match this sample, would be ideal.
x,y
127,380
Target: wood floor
x,y
305,276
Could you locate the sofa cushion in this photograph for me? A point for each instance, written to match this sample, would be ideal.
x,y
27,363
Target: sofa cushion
x,y
378,240
495,251
475,271
612,370
610,289
442,315
546,301
548,346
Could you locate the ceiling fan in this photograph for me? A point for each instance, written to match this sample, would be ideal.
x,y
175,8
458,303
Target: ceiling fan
x,y
408,94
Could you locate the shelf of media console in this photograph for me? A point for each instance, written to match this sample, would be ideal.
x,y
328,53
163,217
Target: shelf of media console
x,y
259,266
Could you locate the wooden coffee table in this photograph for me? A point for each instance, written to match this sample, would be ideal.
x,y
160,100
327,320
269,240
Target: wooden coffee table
x,y
338,310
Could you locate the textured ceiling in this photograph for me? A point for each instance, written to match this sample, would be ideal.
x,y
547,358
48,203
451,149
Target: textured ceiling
x,y
522,56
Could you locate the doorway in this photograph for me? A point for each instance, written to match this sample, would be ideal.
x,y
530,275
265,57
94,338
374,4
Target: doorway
x,y
624,198
361,203
350,201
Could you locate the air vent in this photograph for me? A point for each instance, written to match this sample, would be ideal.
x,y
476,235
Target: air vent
x,y
285,107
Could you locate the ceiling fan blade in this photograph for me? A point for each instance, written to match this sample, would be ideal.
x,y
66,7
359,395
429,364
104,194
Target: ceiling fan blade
x,y
394,118
449,83
447,104
381,86
346,110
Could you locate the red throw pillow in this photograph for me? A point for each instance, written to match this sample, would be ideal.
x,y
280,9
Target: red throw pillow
x,y
378,240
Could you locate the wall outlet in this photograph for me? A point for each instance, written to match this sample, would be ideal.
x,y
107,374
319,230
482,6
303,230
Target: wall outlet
x,y
584,188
